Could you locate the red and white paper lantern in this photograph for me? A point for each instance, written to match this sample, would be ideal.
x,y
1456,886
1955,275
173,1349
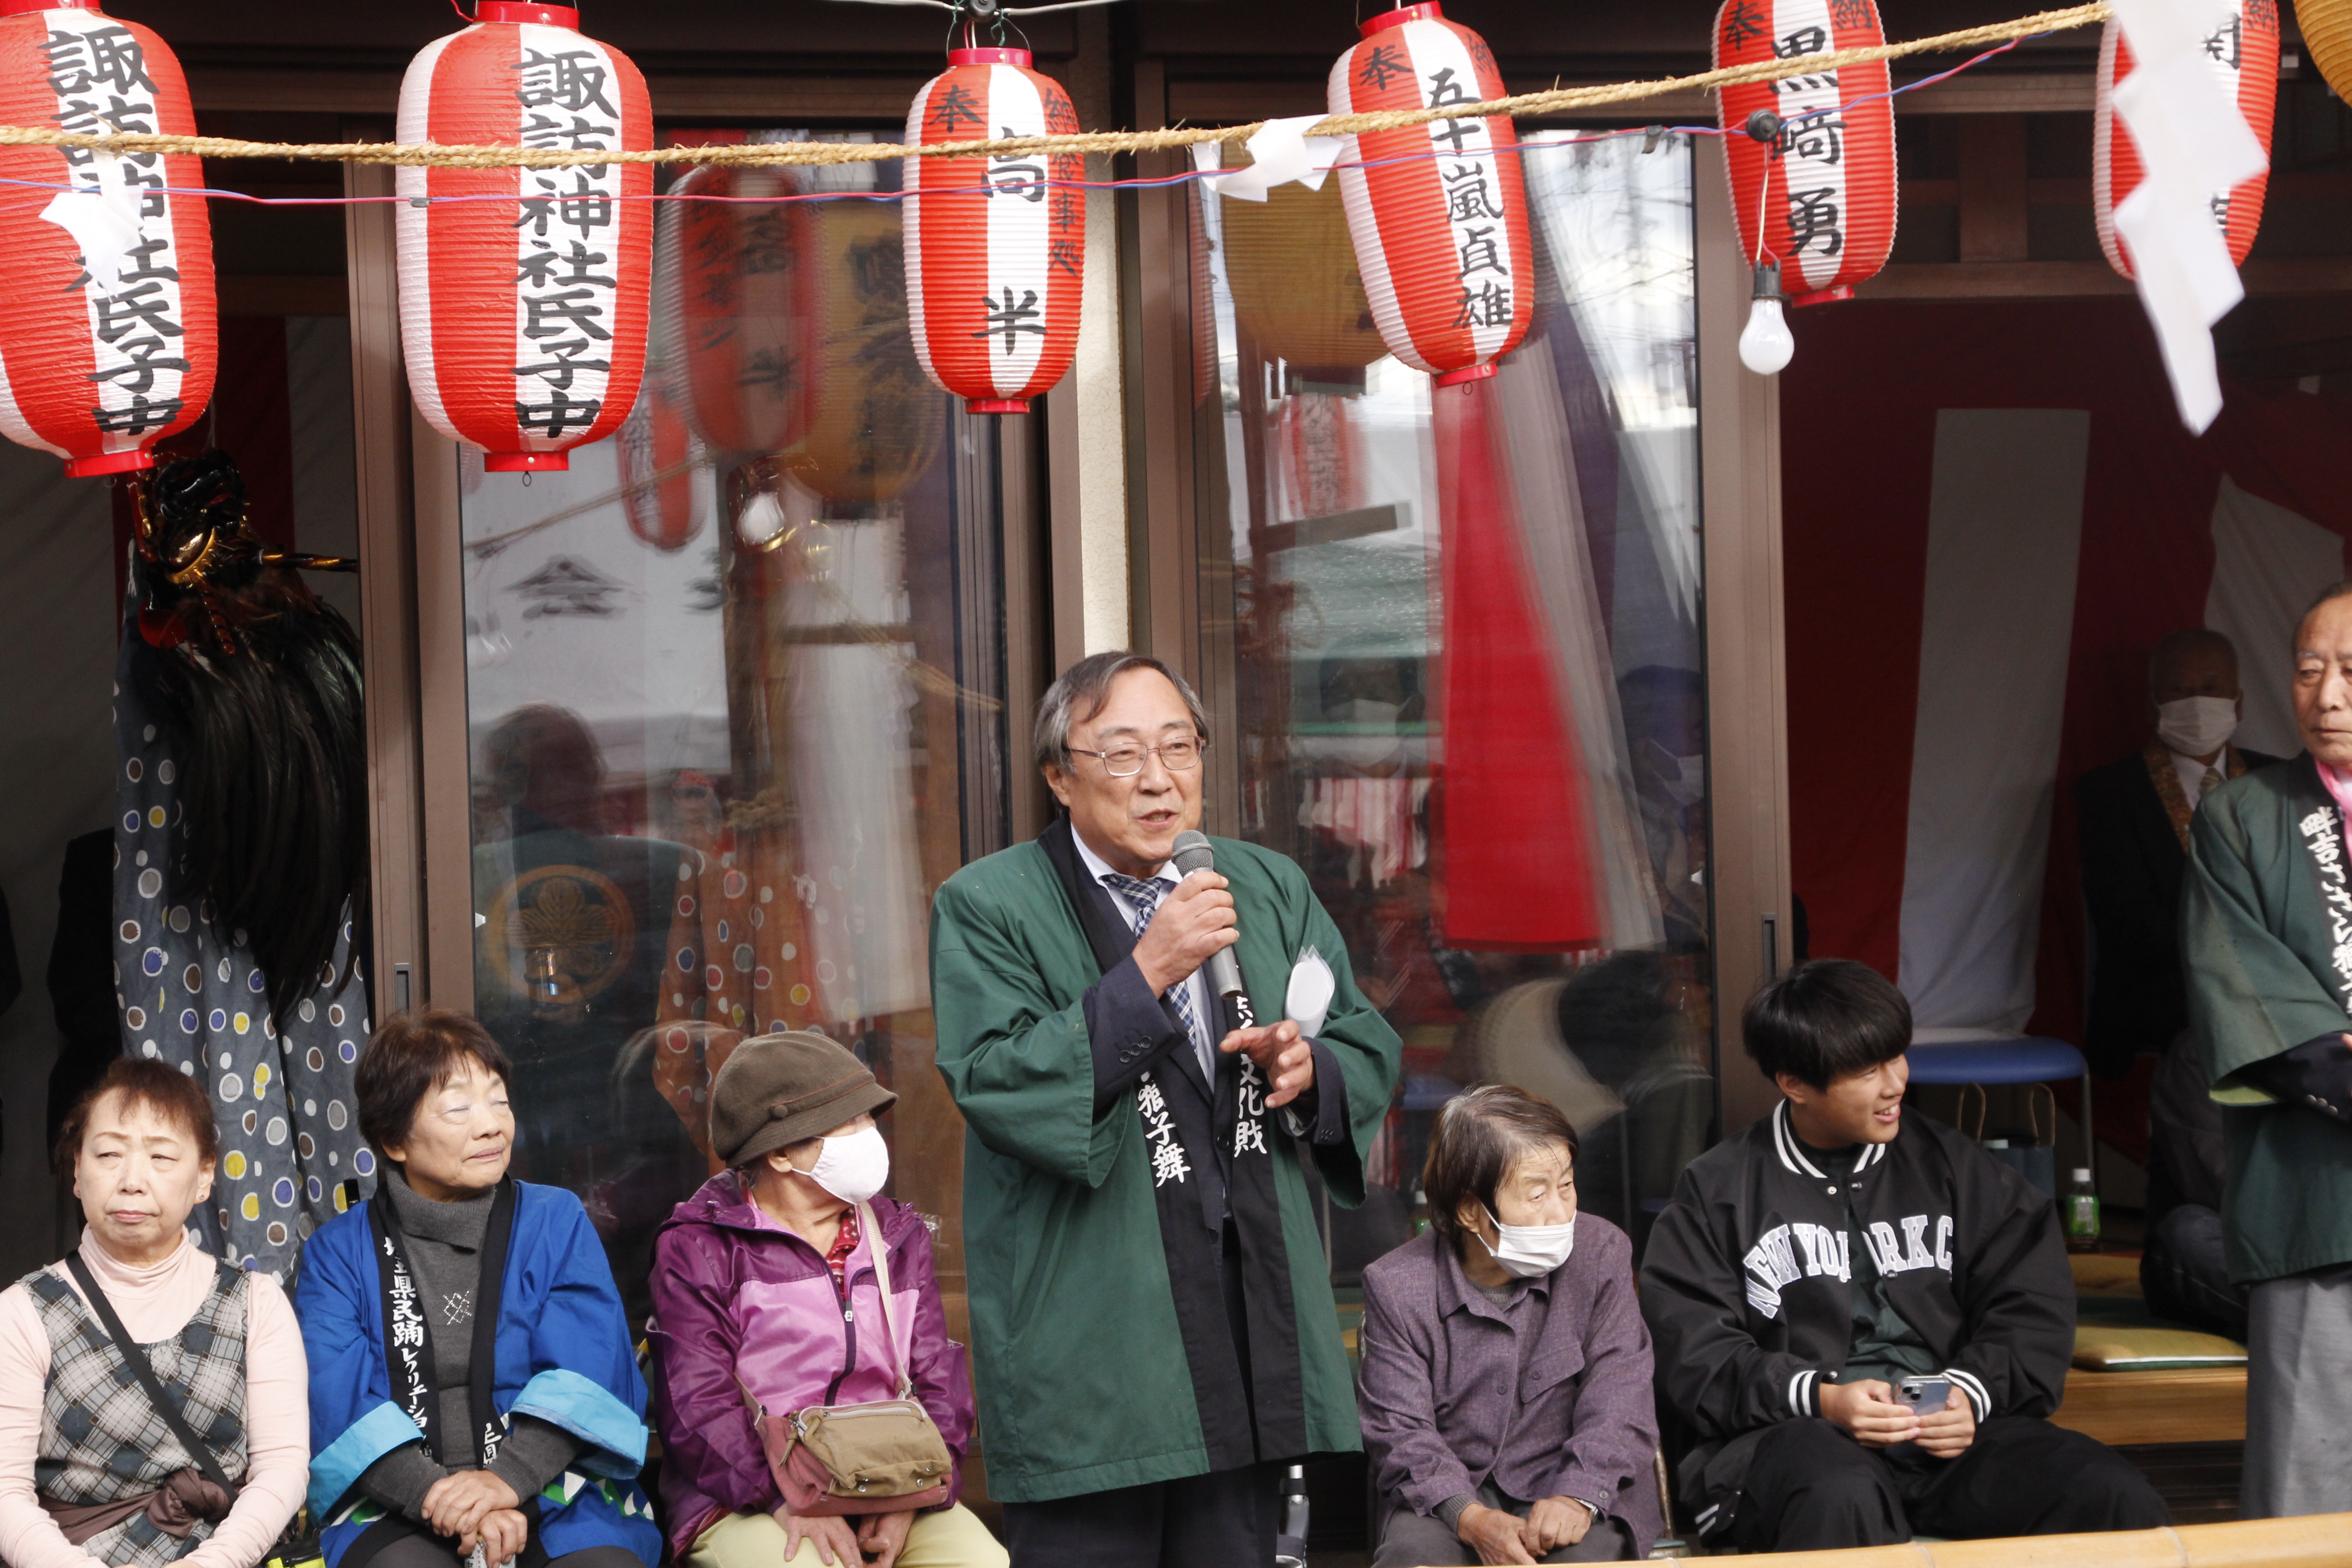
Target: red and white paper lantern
x,y
109,329
662,486
731,293
1439,218
2244,57
1823,189
996,248
524,319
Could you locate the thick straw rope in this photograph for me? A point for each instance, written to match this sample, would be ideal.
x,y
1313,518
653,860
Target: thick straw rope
x,y
1555,100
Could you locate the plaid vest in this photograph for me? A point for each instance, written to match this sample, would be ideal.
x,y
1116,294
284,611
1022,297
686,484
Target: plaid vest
x,y
102,1440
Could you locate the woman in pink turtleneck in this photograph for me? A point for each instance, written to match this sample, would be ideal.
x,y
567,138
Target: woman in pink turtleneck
x,y
123,1490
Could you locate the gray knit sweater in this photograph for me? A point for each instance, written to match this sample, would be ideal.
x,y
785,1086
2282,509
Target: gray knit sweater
x,y
445,1248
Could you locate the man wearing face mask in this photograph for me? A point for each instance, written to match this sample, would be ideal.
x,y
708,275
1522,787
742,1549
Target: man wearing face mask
x,y
2132,818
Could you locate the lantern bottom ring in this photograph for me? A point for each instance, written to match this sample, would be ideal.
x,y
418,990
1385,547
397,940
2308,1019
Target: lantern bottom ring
x,y
996,405
109,463
526,462
1821,297
1466,374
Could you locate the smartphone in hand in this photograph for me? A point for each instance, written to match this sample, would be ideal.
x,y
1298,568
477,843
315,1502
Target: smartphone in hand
x,y
1924,1395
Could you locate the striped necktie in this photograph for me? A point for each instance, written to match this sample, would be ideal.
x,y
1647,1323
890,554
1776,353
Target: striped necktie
x,y
1144,897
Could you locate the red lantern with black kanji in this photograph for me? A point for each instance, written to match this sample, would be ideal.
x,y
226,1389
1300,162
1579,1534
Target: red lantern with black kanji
x,y
2244,55
1818,195
662,488
996,246
524,317
109,329
1437,212
731,285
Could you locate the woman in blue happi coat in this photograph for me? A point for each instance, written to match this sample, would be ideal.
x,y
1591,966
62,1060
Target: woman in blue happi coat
x,y
509,1413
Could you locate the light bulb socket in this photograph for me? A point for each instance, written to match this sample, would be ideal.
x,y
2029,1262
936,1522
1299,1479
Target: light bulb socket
x,y
1768,281
1764,126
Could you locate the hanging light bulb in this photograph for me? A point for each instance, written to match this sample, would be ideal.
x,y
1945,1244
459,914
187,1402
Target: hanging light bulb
x,y
1766,346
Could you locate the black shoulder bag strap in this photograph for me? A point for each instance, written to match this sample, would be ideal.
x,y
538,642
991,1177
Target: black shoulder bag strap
x,y
144,1370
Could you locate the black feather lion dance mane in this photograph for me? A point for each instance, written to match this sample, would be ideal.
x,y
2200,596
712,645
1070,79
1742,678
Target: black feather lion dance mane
x,y
256,682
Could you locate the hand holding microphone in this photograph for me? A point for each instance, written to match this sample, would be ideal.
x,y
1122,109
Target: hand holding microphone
x,y
1285,1058
1192,924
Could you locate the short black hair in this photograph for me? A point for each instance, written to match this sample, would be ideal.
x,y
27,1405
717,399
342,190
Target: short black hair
x,y
1824,1020
1477,1136
409,1057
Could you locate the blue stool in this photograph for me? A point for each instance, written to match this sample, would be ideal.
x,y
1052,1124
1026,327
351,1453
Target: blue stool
x,y
2024,1058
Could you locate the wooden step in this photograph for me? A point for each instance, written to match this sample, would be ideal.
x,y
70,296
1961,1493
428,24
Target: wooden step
x,y
2196,1405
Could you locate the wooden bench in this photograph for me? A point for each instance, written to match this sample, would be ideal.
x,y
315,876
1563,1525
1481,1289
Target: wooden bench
x,y
2192,1404
2170,1404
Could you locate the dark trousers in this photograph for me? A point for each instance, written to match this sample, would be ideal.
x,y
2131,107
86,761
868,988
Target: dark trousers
x,y
2185,1276
1813,1488
1225,1519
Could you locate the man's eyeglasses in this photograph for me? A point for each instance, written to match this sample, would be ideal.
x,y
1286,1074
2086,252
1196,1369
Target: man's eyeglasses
x,y
1127,761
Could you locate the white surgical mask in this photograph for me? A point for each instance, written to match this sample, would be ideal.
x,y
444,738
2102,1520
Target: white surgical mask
x,y
1530,1251
2194,726
852,1169
1691,785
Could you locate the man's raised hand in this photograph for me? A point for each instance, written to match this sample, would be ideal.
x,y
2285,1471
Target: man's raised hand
x,y
1191,923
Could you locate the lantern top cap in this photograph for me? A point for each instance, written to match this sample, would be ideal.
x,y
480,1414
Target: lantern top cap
x,y
990,56
522,11
1427,11
19,8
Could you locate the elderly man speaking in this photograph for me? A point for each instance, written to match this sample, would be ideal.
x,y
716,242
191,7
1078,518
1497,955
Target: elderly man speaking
x,y
1152,1318
2266,937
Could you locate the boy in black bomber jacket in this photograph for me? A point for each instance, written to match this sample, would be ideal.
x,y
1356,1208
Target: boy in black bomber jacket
x,y
1812,1262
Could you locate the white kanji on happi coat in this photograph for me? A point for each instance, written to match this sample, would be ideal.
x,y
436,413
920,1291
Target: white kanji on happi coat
x,y
1437,212
109,330
1823,189
2244,55
524,319
996,246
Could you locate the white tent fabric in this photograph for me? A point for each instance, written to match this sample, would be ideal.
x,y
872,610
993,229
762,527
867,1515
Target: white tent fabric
x,y
2004,527
2268,565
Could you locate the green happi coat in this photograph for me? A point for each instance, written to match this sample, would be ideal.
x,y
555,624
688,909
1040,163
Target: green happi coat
x,y
2269,967
1090,1331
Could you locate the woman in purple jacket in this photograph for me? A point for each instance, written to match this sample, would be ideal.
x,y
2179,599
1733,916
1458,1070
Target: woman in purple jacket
x,y
1506,1387
763,1282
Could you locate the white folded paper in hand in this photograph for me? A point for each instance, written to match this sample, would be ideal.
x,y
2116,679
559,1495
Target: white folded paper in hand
x,y
1307,1002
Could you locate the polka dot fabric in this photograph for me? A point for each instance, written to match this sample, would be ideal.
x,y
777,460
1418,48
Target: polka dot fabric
x,y
739,944
191,994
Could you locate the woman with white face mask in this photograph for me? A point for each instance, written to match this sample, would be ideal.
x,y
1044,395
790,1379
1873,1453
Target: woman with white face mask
x,y
1506,1388
768,1287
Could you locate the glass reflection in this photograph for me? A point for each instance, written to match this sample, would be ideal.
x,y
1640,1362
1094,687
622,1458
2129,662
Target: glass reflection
x,y
1462,652
728,678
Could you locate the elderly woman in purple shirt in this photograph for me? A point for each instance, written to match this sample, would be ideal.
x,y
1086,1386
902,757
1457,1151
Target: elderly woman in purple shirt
x,y
1506,1389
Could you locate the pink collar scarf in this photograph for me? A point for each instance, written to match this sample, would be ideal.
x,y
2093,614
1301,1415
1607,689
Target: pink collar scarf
x,y
2339,786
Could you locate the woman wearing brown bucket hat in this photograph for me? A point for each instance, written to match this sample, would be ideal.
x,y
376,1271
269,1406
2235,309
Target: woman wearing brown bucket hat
x,y
790,1283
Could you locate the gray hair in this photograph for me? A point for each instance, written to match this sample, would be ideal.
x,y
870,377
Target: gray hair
x,y
1080,694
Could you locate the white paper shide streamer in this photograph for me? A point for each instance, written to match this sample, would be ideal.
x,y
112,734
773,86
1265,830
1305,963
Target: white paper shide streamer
x,y
2193,142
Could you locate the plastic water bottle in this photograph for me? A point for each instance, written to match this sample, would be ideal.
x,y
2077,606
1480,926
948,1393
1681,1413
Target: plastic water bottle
x,y
2082,1213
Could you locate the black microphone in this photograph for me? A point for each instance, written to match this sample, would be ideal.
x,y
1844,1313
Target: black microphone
x,y
1193,853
